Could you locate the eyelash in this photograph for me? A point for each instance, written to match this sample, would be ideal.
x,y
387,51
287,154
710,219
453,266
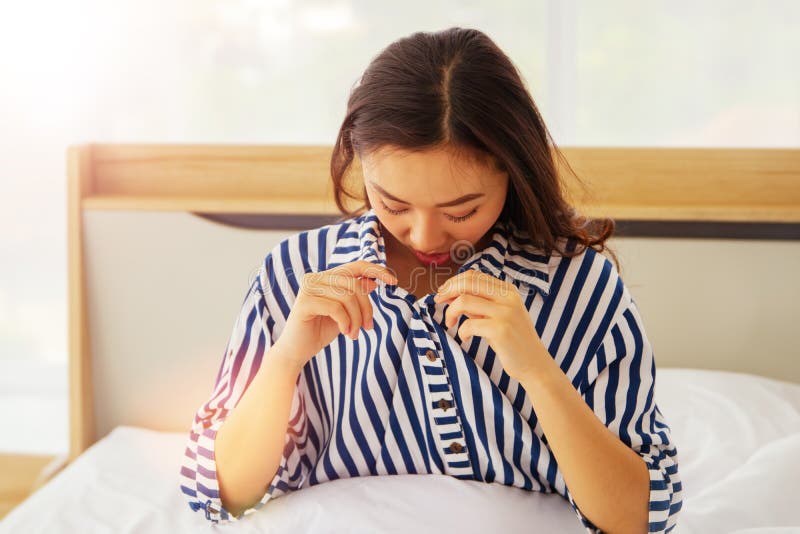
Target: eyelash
x,y
454,219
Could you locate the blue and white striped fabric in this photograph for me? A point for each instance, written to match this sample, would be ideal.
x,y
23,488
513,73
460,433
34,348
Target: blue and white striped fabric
x,y
411,397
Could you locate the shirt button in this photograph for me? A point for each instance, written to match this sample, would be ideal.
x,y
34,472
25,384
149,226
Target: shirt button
x,y
431,355
444,404
455,447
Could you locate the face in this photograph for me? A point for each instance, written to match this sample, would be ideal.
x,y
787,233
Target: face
x,y
431,202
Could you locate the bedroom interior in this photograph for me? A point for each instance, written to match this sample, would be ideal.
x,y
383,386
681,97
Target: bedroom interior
x,y
709,241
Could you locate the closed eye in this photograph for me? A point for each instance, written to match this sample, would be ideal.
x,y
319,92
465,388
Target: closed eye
x,y
462,217
453,218
390,210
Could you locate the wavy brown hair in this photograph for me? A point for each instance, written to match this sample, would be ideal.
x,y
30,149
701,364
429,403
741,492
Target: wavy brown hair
x,y
456,88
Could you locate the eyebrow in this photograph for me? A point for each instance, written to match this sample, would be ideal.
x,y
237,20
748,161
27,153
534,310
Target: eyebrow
x,y
455,202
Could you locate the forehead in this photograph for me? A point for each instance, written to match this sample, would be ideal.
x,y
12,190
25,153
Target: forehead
x,y
388,165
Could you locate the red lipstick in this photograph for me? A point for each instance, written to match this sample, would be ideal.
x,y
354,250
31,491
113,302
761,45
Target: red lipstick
x,y
434,259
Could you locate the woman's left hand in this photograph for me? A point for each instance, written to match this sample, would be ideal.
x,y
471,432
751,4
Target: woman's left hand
x,y
495,312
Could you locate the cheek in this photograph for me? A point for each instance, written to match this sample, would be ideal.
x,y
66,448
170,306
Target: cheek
x,y
373,200
393,229
476,226
392,225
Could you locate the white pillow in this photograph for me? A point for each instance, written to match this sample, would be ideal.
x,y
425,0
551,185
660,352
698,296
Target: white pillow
x,y
128,482
415,503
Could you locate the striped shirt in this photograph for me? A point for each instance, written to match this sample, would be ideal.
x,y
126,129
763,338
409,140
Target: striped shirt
x,y
409,396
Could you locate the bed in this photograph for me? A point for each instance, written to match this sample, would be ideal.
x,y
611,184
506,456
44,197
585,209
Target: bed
x,y
728,386
739,470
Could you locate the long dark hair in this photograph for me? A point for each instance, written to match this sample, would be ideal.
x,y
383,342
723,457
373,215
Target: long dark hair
x,y
456,88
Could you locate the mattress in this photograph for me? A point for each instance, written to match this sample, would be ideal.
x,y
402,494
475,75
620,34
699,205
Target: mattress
x,y
737,435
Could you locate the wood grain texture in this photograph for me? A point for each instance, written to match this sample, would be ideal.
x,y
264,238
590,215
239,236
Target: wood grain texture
x,y
697,184
21,476
79,177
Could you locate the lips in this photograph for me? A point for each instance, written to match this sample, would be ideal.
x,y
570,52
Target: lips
x,y
438,258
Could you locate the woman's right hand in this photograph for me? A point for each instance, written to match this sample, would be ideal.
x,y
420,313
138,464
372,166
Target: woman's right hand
x,y
329,303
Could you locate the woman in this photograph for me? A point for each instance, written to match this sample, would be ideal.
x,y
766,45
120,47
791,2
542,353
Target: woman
x,y
465,322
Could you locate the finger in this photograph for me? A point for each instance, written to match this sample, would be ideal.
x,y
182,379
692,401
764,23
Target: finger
x,y
366,285
476,283
343,283
354,307
473,327
346,285
368,269
472,306
344,280
335,310
339,280
348,300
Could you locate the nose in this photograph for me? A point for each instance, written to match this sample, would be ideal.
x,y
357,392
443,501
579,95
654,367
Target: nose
x,y
426,236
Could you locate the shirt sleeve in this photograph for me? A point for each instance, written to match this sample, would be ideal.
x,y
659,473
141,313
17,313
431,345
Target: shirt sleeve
x,y
252,336
622,396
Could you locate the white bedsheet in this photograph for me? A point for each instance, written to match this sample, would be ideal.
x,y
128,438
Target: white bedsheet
x,y
738,439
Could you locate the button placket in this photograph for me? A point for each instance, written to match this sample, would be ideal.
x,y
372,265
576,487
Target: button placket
x,y
445,415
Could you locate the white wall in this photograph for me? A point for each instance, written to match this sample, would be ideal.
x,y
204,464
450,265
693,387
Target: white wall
x,y
681,73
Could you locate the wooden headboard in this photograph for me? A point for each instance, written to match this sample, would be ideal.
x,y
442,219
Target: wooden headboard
x,y
162,239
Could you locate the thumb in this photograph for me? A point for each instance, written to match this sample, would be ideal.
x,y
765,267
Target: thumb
x,y
368,283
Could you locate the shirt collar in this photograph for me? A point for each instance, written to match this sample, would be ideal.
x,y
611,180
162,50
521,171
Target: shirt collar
x,y
509,255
